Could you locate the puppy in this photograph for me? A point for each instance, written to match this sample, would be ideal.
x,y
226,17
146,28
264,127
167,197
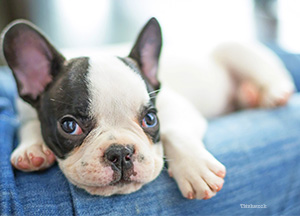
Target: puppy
x,y
108,121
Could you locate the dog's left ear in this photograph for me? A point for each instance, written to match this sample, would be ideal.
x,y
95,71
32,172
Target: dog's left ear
x,y
146,51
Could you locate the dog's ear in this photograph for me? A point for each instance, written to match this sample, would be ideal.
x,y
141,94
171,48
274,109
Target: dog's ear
x,y
146,51
33,60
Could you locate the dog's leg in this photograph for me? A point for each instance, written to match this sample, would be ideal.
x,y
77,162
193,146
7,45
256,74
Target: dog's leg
x,y
198,174
31,154
263,81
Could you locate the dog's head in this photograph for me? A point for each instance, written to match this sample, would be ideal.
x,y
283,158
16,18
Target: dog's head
x,y
97,115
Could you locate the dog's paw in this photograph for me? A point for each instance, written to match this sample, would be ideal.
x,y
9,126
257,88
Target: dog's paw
x,y
273,94
276,93
199,176
32,157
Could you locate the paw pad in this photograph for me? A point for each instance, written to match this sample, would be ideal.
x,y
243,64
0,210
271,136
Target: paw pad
x,y
32,157
37,161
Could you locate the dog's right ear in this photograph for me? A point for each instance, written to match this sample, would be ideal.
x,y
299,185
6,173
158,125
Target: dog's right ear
x,y
33,60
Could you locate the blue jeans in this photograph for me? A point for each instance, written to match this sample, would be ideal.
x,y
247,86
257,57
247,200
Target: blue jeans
x,y
260,148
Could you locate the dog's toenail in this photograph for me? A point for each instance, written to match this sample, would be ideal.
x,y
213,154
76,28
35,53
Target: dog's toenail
x,y
215,187
220,187
206,198
191,195
206,195
221,174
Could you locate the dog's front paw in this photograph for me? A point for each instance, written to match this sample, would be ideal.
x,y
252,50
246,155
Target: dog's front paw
x,y
198,175
273,94
32,157
276,93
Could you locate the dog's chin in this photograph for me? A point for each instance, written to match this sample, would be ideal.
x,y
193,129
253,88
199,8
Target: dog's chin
x,y
120,187
107,186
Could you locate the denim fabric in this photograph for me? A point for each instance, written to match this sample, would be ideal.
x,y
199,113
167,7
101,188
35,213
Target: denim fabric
x,y
9,201
260,148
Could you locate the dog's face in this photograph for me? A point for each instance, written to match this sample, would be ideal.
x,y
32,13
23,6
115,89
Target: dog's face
x,y
97,115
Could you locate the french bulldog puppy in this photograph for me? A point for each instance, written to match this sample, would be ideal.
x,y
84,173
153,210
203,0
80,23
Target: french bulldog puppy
x,y
109,121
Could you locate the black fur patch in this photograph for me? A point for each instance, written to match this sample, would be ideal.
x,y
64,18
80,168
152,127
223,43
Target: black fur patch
x,y
67,95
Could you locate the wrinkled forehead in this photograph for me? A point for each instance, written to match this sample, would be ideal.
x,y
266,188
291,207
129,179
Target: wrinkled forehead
x,y
116,90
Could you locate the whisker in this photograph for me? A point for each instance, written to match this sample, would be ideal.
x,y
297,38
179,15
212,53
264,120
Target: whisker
x,y
56,101
153,92
167,159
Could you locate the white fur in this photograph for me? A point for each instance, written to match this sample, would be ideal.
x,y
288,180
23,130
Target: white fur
x,y
117,93
206,84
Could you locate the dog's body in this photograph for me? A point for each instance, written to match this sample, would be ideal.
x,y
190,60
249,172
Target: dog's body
x,y
98,115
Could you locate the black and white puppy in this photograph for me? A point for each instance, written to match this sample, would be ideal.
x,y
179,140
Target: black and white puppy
x,y
98,116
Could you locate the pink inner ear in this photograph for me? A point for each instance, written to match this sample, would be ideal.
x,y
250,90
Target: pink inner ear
x,y
33,65
149,63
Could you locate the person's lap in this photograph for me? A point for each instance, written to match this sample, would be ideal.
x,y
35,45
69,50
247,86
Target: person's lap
x,y
260,149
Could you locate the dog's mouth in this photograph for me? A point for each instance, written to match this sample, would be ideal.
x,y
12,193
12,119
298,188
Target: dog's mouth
x,y
114,181
115,187
122,177
120,183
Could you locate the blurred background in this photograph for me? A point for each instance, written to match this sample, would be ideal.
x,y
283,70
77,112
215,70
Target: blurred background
x,y
185,23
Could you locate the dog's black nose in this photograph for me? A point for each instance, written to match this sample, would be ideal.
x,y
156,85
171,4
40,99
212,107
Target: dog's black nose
x,y
120,156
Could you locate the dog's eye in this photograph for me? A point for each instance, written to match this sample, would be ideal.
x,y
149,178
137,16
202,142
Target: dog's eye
x,y
150,120
70,126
